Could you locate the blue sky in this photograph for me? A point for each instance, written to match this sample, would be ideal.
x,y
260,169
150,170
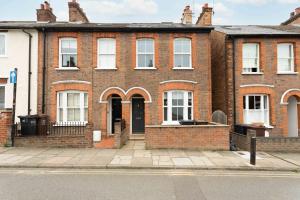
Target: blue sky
x,y
226,11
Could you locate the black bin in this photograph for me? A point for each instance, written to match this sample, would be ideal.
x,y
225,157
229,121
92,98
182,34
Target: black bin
x,y
29,125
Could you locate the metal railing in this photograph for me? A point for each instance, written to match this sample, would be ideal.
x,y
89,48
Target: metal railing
x,y
50,129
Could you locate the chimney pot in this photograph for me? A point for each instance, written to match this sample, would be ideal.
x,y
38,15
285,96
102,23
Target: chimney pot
x,y
297,11
42,7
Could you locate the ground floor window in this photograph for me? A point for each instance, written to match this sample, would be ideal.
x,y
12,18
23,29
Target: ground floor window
x,y
2,97
72,106
178,105
256,109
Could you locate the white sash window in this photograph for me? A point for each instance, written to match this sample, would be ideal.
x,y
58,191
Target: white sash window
x,y
256,109
250,58
68,52
182,53
178,106
145,53
72,106
285,57
107,53
2,44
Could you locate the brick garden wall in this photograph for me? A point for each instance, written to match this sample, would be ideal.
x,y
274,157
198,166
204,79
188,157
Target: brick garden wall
x,y
187,137
5,122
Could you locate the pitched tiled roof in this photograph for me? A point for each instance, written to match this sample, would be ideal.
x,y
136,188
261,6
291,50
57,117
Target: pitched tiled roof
x,y
259,30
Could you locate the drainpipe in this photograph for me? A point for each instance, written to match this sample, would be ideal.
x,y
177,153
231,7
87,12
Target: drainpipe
x,y
44,72
234,79
29,72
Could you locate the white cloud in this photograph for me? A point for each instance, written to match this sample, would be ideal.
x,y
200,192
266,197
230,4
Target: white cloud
x,y
120,7
262,2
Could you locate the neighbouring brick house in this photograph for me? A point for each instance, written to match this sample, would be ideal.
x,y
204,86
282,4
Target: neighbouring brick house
x,y
149,75
256,70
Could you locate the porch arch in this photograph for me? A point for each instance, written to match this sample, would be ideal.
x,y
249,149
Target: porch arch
x,y
110,91
141,91
287,94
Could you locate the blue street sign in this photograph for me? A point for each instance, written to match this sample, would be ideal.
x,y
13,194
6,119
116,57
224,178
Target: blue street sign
x,y
13,77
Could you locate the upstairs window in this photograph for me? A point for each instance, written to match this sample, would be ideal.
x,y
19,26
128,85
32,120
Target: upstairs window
x,y
2,44
182,53
145,53
178,106
107,53
68,52
72,106
285,57
251,58
256,109
2,97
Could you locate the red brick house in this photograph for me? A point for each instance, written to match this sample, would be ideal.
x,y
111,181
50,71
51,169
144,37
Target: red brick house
x,y
148,75
256,70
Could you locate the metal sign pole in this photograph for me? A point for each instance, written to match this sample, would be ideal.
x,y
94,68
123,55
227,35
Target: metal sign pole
x,y
13,127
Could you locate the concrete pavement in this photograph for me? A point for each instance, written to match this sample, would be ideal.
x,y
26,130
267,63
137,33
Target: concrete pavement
x,y
134,155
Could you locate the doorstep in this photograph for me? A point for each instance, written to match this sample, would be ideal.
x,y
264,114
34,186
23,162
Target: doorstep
x,y
137,137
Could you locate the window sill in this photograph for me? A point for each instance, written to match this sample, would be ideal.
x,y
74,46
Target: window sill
x,y
170,124
253,73
3,56
183,68
287,73
145,68
67,69
105,69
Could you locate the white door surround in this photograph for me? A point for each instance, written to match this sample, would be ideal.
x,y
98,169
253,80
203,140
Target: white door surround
x,y
292,117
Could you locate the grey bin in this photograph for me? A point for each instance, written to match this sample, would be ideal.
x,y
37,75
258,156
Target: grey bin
x,y
29,125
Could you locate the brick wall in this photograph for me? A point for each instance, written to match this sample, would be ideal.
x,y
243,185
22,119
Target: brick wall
x,y
5,123
272,84
187,137
60,141
126,76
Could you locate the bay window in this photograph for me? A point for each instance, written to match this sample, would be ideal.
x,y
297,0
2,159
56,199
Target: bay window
x,y
107,53
145,53
2,44
178,106
68,52
256,109
285,57
72,106
251,58
182,53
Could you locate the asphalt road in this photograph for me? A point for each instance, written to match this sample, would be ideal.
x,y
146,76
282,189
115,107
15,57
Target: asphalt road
x,y
41,184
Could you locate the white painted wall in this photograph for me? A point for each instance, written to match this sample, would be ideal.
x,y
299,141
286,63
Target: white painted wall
x,y
17,57
293,118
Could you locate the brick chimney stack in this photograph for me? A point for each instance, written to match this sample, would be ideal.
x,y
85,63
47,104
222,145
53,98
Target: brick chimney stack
x,y
45,14
187,15
76,13
205,18
294,18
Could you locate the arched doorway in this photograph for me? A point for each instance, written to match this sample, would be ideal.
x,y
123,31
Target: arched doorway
x,y
114,112
138,114
293,117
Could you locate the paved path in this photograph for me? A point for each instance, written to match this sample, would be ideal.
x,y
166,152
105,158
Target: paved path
x,y
57,184
134,155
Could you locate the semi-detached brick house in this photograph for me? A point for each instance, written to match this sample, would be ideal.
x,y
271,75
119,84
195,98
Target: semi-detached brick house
x,y
256,70
146,74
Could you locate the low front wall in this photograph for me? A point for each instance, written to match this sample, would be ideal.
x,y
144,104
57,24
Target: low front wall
x,y
268,144
5,123
202,137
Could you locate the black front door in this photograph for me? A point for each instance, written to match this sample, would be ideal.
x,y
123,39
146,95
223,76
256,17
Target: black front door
x,y
138,116
116,114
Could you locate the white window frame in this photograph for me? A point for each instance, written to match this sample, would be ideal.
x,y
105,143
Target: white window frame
x,y
169,106
5,43
182,53
106,54
265,112
65,106
2,85
292,58
145,53
60,53
246,70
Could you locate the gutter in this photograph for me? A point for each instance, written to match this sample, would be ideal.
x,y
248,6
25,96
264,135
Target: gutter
x,y
44,71
29,72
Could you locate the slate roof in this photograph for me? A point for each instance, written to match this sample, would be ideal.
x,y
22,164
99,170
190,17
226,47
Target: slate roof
x,y
242,30
103,26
